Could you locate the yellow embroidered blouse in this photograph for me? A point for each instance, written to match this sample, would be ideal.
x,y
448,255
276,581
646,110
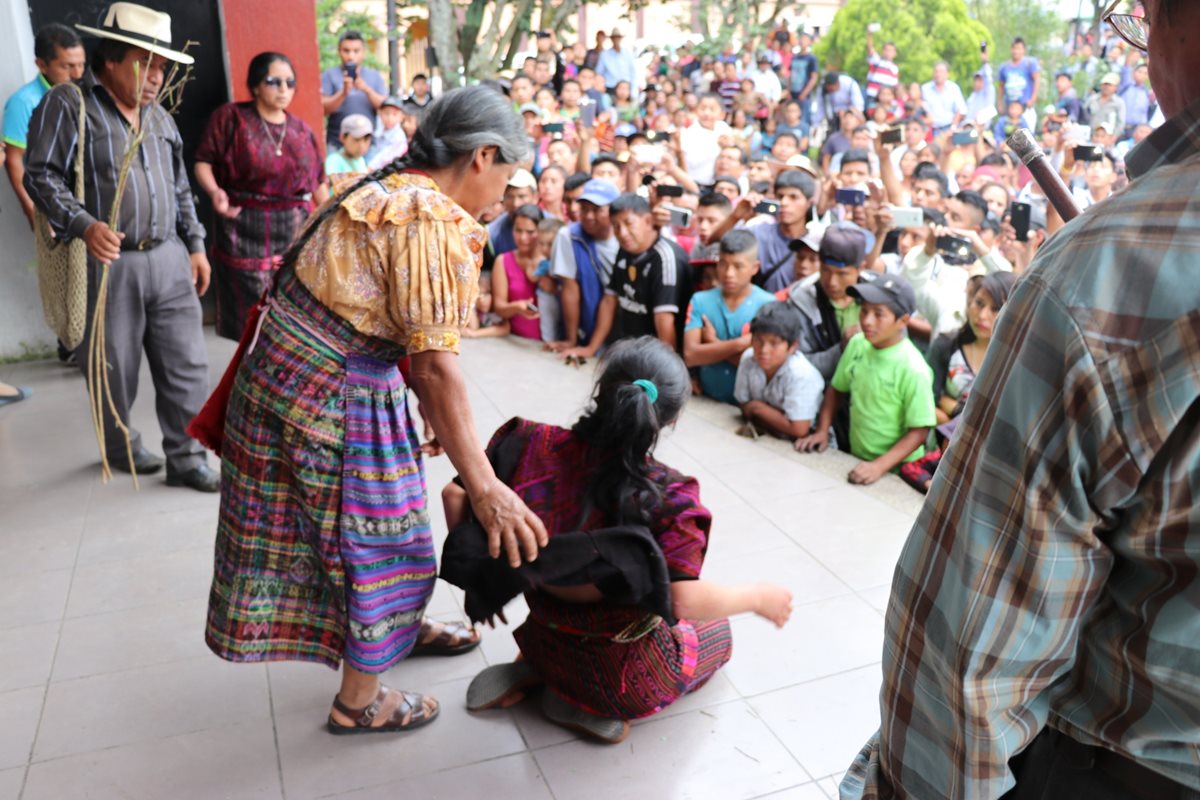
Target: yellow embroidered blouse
x,y
399,260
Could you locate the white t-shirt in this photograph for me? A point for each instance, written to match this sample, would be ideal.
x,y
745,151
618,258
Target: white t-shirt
x,y
701,147
562,256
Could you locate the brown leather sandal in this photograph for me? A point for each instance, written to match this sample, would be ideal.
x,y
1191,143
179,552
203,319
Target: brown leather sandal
x,y
412,708
443,644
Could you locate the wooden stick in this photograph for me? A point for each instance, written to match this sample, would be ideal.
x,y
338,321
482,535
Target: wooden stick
x,y
1030,152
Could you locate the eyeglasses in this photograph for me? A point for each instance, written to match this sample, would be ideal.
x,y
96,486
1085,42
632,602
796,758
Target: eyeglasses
x,y
278,83
1135,30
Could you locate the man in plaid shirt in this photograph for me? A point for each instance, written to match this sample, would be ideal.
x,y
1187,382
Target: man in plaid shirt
x,y
1043,631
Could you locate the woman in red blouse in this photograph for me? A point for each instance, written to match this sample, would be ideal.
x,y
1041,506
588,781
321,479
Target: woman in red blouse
x,y
604,662
262,169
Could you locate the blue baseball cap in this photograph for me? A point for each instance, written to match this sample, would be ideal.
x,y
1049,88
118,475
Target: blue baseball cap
x,y
599,192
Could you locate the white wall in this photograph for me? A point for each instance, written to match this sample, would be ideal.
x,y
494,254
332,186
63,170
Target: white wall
x,y
21,326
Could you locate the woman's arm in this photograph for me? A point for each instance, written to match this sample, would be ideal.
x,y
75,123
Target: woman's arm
x,y
700,600
511,526
454,505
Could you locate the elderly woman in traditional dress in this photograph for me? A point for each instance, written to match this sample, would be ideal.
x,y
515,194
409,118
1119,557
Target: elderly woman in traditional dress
x,y
324,551
262,169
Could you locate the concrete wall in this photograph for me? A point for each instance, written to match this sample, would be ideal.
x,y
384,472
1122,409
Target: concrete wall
x,y
22,329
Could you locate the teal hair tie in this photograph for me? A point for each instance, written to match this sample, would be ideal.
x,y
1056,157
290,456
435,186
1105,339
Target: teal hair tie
x,y
649,388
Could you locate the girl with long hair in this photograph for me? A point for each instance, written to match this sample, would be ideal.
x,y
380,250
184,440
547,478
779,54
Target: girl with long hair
x,y
604,659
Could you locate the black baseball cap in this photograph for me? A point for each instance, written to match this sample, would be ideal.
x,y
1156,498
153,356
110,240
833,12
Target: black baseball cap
x,y
831,79
890,290
843,246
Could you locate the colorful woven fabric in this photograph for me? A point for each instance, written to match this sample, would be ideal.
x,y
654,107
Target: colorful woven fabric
x,y
611,660
323,543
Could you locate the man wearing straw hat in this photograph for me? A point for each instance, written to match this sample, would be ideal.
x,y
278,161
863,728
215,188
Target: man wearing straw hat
x,y
156,249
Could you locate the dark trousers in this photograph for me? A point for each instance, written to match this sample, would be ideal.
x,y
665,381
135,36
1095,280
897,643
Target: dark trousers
x,y
1056,767
152,306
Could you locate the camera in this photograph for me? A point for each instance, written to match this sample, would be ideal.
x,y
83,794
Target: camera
x,y
964,138
552,128
669,191
351,71
892,136
851,197
767,207
1088,152
680,217
906,217
955,249
1021,215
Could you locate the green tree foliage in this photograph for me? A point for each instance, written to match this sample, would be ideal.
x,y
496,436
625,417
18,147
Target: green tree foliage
x,y
924,31
332,19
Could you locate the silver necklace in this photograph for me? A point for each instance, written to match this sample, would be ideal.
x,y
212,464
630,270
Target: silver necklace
x,y
271,137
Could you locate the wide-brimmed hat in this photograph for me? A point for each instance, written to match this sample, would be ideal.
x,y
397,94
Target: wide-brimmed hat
x,y
139,26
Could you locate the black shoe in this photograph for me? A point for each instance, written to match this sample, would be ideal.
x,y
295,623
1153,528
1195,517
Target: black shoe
x,y
65,356
144,462
203,478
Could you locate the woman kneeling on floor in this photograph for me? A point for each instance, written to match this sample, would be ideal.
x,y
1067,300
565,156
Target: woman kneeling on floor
x,y
620,624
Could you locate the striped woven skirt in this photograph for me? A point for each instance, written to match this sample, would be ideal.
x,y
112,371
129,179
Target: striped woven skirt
x,y
580,654
324,550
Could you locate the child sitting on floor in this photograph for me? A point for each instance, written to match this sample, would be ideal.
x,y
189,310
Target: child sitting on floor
x,y
628,536
890,386
718,319
777,388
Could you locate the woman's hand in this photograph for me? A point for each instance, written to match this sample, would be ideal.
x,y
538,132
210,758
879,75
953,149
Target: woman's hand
x,y
529,310
774,603
220,204
509,523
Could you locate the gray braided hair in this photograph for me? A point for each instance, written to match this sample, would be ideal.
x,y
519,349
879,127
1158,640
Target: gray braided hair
x,y
452,129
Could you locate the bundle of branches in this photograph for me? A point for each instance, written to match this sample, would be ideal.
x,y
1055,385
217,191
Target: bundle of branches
x,y
99,389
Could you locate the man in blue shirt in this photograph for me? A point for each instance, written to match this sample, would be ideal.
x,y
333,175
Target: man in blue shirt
x,y
838,93
351,88
58,53
944,100
1138,102
1021,77
717,330
616,65
804,78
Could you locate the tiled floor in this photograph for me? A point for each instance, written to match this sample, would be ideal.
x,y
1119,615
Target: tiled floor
x,y
107,690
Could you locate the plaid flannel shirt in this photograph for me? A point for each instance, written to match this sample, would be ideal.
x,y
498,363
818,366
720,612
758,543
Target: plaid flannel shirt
x,y
1053,576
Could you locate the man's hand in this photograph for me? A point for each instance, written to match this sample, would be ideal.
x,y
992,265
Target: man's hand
x,y
347,83
817,442
220,204
103,243
850,332
865,473
708,332
201,272
29,210
360,83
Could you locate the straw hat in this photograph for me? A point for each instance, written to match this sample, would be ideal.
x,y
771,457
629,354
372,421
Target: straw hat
x,y
139,26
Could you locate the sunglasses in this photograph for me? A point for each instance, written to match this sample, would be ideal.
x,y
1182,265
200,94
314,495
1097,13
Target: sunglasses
x,y
1135,30
278,83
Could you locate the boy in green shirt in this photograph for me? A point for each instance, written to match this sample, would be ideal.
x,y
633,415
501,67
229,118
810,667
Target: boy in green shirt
x,y
889,384
356,141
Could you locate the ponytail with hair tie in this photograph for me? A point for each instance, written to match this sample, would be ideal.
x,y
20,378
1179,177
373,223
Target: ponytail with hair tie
x,y
649,388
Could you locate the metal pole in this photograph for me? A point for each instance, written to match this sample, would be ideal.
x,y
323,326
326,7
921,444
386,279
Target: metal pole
x,y
393,48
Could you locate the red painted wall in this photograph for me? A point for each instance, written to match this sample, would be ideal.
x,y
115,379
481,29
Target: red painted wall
x,y
285,26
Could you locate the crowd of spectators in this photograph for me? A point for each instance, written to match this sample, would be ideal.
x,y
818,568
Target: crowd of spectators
x,y
827,251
